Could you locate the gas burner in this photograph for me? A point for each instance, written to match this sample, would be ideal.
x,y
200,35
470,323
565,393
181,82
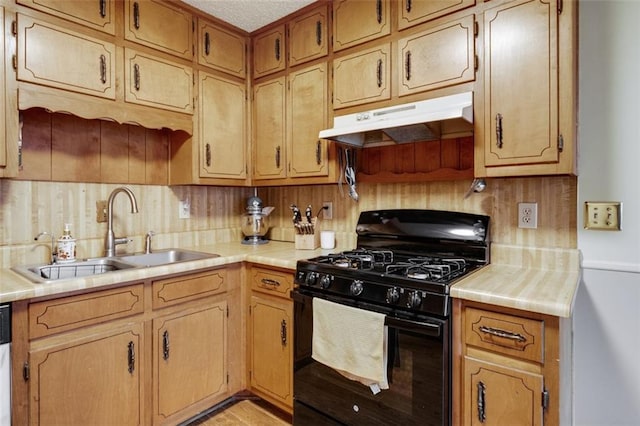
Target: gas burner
x,y
428,268
361,259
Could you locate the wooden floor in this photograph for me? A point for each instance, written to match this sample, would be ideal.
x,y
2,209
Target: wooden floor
x,y
245,412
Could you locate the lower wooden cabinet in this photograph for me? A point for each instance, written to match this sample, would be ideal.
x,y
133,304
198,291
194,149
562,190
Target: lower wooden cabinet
x,y
510,369
154,352
270,336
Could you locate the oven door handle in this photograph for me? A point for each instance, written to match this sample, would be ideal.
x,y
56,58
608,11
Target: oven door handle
x,y
433,329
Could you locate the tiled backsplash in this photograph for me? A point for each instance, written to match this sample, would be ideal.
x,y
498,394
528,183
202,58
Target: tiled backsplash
x,y
29,207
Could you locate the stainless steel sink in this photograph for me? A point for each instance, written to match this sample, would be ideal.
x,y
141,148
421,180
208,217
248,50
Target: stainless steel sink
x,y
80,268
165,257
101,265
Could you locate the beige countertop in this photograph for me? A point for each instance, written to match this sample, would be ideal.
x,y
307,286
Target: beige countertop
x,y
538,280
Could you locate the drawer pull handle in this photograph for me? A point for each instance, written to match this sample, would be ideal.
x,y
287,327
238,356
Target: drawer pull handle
x,y
278,156
136,15
103,8
277,49
318,33
319,153
379,73
481,401
407,66
207,155
136,76
503,333
408,6
131,357
165,345
499,130
270,282
379,11
103,69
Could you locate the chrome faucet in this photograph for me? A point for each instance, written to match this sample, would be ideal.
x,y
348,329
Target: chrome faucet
x,y
111,241
54,252
147,242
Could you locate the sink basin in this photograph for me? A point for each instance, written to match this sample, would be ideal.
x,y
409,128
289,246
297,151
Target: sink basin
x,y
80,268
165,257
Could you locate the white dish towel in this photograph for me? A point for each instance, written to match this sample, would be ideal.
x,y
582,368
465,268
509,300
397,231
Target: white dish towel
x,y
351,341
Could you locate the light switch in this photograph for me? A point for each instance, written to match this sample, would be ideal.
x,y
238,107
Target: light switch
x,y
605,216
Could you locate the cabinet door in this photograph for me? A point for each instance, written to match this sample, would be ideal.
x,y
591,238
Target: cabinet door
x,y
44,58
223,127
269,129
414,12
362,77
438,57
271,349
3,94
96,14
357,21
307,115
189,358
268,52
222,49
308,37
96,380
495,395
156,82
521,83
160,25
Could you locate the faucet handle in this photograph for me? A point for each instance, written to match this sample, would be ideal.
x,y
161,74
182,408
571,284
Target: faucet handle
x,y
147,242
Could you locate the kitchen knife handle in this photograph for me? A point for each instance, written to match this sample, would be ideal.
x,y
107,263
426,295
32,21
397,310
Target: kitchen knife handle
x,y
165,345
136,15
207,43
499,130
131,357
103,8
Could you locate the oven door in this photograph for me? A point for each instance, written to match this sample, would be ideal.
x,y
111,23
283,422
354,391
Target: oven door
x,y
418,374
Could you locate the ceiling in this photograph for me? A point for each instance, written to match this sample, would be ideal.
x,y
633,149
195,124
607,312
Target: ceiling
x,y
248,15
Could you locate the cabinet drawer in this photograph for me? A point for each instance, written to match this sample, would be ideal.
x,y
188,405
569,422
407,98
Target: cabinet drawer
x,y
96,14
67,313
171,291
271,282
507,334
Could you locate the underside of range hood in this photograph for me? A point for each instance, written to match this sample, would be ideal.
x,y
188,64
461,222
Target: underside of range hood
x,y
432,119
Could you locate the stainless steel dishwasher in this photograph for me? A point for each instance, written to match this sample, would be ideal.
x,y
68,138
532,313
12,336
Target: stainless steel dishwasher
x,y
5,365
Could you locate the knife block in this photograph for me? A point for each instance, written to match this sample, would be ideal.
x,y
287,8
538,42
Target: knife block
x,y
308,241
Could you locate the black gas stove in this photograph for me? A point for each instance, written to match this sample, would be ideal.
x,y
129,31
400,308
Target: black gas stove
x,y
405,261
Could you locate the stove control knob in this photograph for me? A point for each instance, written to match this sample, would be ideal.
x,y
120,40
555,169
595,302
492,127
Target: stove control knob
x,y
356,288
393,295
414,299
312,278
325,281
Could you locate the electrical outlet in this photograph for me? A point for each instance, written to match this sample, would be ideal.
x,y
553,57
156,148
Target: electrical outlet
x,y
327,212
528,215
184,209
603,215
101,211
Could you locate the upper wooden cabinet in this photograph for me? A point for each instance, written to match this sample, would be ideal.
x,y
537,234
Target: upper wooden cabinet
x,y
96,14
222,49
414,12
156,82
362,77
529,94
43,58
222,127
357,21
308,38
437,57
269,52
269,136
160,25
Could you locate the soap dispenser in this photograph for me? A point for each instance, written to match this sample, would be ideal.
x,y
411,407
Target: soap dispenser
x,y
66,246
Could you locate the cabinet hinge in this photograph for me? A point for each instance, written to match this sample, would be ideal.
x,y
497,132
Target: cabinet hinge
x,y
560,143
476,61
14,28
25,371
227,379
545,399
227,311
14,62
476,30
560,7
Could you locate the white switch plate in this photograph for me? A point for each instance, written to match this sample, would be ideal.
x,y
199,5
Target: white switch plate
x,y
528,215
184,209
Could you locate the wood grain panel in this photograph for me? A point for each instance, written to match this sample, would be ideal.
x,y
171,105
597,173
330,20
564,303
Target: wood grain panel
x,y
36,145
114,152
171,291
156,157
75,149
